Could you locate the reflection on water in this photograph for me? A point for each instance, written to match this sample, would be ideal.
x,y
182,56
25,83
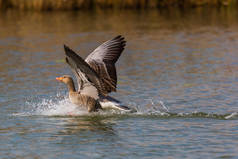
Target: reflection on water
x,y
82,128
186,59
88,123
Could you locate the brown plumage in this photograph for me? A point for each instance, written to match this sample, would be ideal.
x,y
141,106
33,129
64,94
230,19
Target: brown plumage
x,y
99,67
103,60
82,99
96,76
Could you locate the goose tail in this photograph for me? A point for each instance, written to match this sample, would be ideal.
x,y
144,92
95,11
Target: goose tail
x,y
111,103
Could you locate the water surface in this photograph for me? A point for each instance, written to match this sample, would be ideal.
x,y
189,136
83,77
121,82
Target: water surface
x,y
185,61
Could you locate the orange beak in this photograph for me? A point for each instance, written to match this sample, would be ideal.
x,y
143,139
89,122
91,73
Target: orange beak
x,y
59,79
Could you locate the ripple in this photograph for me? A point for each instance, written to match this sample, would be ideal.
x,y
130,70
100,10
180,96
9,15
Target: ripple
x,y
61,106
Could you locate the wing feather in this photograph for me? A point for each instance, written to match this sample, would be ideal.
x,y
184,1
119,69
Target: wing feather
x,y
103,60
82,70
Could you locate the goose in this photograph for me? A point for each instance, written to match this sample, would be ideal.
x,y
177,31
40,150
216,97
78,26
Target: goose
x,y
85,99
96,76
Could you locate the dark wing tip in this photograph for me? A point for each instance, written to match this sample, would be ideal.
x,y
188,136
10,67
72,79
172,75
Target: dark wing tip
x,y
67,49
119,37
70,53
67,60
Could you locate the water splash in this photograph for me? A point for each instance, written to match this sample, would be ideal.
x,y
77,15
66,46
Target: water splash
x,y
232,115
151,106
60,105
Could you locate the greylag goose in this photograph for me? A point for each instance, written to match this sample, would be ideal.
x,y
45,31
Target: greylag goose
x,y
83,99
96,76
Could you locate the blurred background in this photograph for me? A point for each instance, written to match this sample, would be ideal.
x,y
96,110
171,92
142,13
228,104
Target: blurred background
x,y
179,70
114,4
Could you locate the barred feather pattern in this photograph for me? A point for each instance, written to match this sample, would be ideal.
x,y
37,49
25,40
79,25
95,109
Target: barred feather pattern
x,y
103,60
86,101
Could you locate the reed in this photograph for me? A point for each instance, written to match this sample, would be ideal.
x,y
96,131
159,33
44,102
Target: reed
x,y
120,4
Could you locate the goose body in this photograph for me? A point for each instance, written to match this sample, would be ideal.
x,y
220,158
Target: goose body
x,y
83,99
96,76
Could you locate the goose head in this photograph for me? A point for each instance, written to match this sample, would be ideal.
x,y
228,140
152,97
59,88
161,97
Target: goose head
x,y
65,79
68,81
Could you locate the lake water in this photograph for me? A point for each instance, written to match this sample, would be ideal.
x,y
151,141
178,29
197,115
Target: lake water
x,y
179,71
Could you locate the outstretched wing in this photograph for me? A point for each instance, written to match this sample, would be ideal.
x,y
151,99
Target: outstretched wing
x,y
83,72
103,60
